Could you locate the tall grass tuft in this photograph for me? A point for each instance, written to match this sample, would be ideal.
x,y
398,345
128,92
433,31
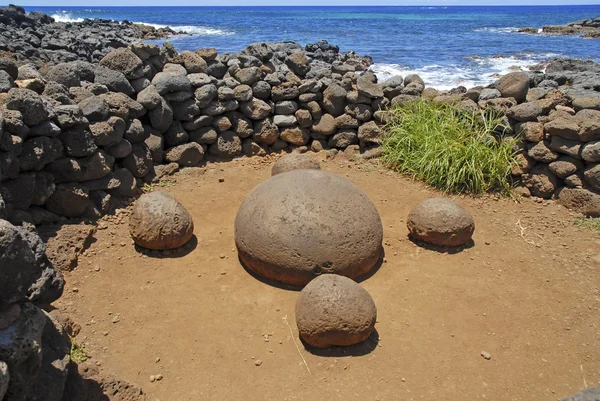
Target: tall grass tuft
x,y
450,149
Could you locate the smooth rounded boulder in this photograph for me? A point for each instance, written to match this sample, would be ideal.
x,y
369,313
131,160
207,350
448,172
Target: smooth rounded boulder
x,y
294,161
158,221
298,225
441,222
333,310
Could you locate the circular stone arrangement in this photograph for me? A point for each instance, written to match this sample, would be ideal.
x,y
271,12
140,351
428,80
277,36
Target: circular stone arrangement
x,y
441,222
294,161
160,222
296,226
333,310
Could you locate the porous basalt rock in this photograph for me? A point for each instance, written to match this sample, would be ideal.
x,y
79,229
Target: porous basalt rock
x,y
441,222
294,161
158,221
333,310
301,224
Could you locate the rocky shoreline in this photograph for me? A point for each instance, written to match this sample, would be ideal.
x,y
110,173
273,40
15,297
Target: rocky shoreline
x,y
37,39
587,28
89,115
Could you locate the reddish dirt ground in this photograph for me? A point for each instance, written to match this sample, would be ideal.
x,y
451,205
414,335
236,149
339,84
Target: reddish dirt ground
x,y
527,292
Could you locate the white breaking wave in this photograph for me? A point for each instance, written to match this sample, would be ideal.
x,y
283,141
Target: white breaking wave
x,y
481,71
65,16
192,29
510,29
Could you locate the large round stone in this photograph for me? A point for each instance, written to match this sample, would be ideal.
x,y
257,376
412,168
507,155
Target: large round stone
x,y
160,222
441,222
294,161
333,310
298,225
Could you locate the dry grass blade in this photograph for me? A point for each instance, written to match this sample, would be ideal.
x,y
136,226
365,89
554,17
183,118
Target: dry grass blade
x,y
296,344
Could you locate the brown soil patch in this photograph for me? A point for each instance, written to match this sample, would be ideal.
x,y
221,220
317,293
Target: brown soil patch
x,y
527,293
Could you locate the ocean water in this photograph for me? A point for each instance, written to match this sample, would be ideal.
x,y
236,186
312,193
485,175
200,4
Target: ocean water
x,y
447,46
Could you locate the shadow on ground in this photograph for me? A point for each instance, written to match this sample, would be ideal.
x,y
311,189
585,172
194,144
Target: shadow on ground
x,y
442,249
287,287
184,250
361,349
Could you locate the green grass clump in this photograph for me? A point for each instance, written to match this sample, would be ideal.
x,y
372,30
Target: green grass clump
x,y
77,352
593,223
452,150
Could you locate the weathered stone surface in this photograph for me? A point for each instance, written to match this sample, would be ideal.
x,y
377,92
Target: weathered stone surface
x,y
590,152
273,222
56,349
18,265
370,132
298,63
541,181
113,80
248,76
582,103
158,221
123,106
193,62
228,145
542,153
204,136
124,61
326,125
161,117
94,108
581,200
441,222
38,152
149,97
86,382
589,125
166,82
530,131
343,138
21,350
284,121
566,146
295,135
334,100
69,200
255,109
139,160
294,161
186,155
109,132
65,243
565,166
563,127
265,132
333,310
29,104
515,85
366,87
591,174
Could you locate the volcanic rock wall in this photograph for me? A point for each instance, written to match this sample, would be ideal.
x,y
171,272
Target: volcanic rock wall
x,y
80,134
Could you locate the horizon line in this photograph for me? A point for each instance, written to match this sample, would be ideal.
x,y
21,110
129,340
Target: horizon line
x,y
326,5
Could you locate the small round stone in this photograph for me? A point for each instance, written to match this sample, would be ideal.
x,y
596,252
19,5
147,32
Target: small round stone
x,y
294,161
441,222
333,310
159,222
296,226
